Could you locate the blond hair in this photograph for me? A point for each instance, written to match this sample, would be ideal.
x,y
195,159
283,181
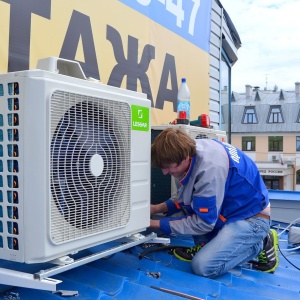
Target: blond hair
x,y
171,146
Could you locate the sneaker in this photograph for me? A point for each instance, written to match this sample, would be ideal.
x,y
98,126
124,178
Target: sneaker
x,y
186,254
268,258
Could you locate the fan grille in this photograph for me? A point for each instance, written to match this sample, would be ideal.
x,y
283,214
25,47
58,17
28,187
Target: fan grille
x,y
89,165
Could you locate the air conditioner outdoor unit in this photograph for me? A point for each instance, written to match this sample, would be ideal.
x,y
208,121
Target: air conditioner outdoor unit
x,y
274,158
74,163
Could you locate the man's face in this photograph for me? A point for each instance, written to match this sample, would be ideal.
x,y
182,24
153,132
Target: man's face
x,y
177,170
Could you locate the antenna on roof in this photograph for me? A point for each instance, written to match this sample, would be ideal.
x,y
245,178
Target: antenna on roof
x,y
266,88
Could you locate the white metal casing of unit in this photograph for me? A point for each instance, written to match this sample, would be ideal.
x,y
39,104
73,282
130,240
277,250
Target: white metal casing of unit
x,y
196,132
294,235
34,223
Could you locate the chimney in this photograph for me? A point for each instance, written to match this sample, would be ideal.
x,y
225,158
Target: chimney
x,y
297,88
248,91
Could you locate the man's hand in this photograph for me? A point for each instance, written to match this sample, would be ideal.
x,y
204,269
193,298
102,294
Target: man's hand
x,y
153,209
158,208
155,224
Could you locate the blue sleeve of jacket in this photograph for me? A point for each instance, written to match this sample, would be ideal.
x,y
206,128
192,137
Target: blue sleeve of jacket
x,y
165,224
172,207
176,207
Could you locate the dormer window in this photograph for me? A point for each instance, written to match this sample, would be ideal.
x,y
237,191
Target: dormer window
x,y
275,115
298,117
249,115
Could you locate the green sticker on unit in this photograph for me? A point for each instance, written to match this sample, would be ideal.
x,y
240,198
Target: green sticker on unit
x,y
139,118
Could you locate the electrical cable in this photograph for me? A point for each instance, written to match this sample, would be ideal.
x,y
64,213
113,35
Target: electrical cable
x,y
160,248
290,249
288,259
286,228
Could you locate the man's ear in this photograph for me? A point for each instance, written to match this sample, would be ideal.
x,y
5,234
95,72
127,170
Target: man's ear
x,y
187,159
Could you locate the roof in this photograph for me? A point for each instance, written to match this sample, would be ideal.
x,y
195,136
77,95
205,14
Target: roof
x,y
262,101
234,34
159,275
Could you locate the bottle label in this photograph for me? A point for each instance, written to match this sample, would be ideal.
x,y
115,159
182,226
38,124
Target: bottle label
x,y
183,106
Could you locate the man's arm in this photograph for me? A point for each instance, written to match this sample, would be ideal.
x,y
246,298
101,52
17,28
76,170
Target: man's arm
x,y
155,224
158,208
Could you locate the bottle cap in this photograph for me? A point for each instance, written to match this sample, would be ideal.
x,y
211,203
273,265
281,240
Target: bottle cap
x,y
182,114
183,80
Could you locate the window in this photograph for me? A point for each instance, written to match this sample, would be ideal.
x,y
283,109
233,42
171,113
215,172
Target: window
x,y
298,177
275,115
249,116
275,143
271,182
297,143
248,143
225,97
298,118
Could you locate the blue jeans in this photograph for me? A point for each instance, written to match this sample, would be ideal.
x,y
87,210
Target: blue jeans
x,y
235,244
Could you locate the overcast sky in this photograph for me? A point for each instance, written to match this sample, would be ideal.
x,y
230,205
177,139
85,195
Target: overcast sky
x,y
270,35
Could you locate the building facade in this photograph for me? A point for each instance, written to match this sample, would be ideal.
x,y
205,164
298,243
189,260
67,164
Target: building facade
x,y
224,44
266,126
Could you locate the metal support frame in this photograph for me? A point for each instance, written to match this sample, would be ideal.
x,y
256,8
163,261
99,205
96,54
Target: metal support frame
x,y
41,280
22,279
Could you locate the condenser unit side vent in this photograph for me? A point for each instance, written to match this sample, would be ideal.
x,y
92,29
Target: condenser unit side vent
x,y
10,180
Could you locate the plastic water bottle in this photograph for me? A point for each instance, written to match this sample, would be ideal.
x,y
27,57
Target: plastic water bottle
x,y
183,103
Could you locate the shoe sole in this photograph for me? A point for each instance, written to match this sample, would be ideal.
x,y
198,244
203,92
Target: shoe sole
x,y
275,241
179,257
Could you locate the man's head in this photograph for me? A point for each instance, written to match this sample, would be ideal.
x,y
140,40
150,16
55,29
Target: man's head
x,y
171,151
